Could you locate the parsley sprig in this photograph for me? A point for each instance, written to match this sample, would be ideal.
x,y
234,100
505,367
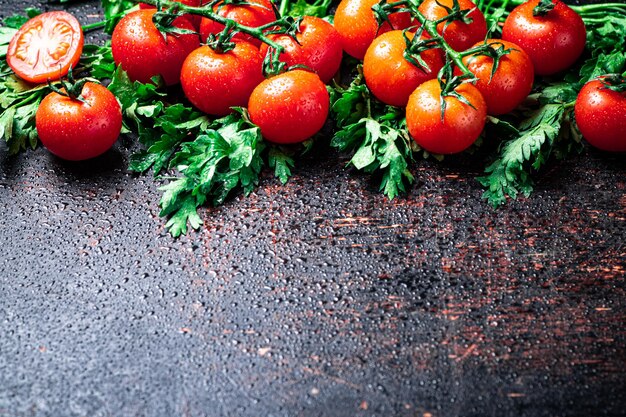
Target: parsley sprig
x,y
376,134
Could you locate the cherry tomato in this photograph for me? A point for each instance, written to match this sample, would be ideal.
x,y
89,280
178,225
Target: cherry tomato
x,y
461,124
290,107
258,13
554,41
193,18
76,130
46,47
511,83
214,82
318,46
143,53
356,23
389,75
601,116
460,36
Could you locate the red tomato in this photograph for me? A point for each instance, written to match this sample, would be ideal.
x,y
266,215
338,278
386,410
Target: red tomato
x,y
318,46
74,130
356,23
46,47
140,49
214,82
389,75
511,83
553,42
460,36
193,18
601,116
460,126
290,107
255,14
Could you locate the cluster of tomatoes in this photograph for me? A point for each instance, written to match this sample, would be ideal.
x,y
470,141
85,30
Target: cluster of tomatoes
x,y
288,107
291,106
534,45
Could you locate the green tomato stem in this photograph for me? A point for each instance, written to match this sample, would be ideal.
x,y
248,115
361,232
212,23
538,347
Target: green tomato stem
x,y
283,8
431,28
207,11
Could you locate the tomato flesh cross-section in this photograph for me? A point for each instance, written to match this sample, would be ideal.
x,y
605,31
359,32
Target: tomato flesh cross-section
x,y
46,47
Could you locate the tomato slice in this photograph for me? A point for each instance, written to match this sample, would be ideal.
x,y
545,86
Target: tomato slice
x,y
45,47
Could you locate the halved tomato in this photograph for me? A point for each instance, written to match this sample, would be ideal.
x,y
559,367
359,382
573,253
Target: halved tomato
x,y
46,47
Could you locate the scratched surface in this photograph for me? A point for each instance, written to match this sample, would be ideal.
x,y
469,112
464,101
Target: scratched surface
x,y
319,298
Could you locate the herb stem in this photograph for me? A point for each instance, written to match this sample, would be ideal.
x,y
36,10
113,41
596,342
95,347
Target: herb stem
x,y
102,23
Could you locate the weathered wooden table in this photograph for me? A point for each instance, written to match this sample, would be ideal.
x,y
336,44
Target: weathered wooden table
x,y
317,298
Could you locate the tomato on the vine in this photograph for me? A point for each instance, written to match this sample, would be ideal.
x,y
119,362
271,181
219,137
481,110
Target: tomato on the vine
x,y
140,49
289,107
601,115
195,19
460,36
216,81
356,23
76,130
45,47
554,40
317,45
461,123
388,74
512,81
254,14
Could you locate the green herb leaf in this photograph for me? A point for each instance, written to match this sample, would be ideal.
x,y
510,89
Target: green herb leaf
x,y
376,134
114,10
281,162
510,173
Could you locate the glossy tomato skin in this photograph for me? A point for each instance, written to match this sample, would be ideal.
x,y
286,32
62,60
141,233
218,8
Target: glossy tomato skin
x,y
318,46
140,49
601,116
460,126
511,83
253,15
392,78
290,107
356,24
45,47
194,19
554,42
75,131
460,36
214,82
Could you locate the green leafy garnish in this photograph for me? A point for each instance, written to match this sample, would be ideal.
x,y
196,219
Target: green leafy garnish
x,y
376,134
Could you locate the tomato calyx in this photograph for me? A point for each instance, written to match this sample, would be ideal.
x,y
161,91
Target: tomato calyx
x,y
494,50
613,82
455,13
543,8
71,88
164,19
417,45
449,84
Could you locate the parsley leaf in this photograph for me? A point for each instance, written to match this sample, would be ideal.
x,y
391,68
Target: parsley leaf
x,y
376,134
224,157
17,20
509,174
301,8
281,161
210,158
114,10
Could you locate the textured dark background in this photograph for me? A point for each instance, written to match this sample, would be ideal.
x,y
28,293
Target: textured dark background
x,y
319,298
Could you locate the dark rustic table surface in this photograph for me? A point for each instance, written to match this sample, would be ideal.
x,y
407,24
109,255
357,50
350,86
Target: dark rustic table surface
x,y
318,298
